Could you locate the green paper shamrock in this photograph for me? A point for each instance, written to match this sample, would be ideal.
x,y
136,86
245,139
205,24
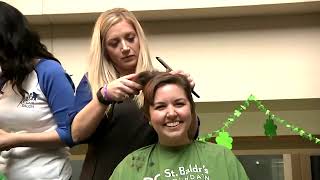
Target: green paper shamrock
x,y
270,129
251,98
224,139
237,113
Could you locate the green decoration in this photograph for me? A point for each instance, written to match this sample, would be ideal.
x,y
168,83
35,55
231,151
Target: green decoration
x,y
2,177
224,139
237,113
267,113
246,103
243,108
270,127
231,119
201,139
251,98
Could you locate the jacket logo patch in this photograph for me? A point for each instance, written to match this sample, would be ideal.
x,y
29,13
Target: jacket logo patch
x,y
29,100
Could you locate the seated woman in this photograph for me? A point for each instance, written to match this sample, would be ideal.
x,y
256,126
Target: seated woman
x,y
169,106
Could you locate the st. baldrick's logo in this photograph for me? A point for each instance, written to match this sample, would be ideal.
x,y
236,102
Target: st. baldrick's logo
x,y
191,172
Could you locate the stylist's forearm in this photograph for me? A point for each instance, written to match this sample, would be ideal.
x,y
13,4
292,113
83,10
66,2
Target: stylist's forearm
x,y
87,120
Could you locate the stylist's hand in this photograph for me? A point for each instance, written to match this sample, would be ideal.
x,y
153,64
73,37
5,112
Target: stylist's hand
x,y
5,140
123,87
190,79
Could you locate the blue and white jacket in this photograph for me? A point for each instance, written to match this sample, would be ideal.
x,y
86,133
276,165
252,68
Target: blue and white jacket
x,y
44,108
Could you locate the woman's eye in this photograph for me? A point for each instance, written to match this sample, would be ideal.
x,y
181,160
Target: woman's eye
x,y
113,43
159,107
180,104
131,38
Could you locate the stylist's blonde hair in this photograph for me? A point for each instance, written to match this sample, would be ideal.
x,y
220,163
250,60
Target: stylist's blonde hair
x,y
101,70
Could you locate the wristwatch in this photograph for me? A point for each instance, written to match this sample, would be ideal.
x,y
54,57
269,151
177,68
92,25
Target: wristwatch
x,y
102,100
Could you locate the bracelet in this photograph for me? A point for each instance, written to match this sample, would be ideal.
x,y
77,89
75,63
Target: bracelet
x,y
104,90
102,99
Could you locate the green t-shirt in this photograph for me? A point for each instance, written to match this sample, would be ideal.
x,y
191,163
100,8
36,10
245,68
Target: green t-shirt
x,y
2,177
194,161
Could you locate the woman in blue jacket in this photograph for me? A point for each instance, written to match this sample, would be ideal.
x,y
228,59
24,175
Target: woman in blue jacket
x,y
34,99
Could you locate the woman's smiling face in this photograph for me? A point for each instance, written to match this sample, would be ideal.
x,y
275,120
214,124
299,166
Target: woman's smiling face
x,y
170,115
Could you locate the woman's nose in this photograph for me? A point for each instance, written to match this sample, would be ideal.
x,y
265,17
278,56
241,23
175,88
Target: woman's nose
x,y
125,48
171,113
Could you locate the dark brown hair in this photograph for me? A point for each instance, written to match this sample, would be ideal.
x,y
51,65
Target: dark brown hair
x,y
154,80
19,46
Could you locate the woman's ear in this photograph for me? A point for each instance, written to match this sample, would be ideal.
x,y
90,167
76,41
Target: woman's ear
x,y
150,124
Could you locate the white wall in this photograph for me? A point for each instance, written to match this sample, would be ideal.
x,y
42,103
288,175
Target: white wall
x,y
230,55
273,57
36,7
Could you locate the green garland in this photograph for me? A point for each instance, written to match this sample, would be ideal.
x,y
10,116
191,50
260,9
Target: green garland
x,y
223,137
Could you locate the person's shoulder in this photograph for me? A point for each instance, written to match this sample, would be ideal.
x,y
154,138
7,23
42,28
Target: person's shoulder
x,y
49,65
131,164
140,153
144,150
211,147
45,61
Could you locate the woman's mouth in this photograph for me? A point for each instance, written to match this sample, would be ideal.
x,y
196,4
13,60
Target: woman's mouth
x,y
173,124
128,57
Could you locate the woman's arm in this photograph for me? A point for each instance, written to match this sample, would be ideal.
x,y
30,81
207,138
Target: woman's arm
x,y
88,112
44,139
87,120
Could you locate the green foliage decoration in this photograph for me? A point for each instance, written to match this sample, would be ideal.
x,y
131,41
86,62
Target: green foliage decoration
x,y
270,128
